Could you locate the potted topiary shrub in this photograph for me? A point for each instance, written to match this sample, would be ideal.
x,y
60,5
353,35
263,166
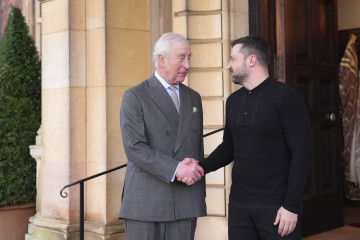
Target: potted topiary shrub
x,y
20,118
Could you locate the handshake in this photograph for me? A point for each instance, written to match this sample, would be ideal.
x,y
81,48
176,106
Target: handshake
x,y
189,171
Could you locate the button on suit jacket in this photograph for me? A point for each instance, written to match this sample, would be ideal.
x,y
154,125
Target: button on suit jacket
x,y
156,138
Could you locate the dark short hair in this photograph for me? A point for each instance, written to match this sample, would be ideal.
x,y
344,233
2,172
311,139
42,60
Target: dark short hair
x,y
254,45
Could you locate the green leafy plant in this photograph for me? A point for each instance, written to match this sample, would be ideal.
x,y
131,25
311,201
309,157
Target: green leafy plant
x,y
20,111
18,51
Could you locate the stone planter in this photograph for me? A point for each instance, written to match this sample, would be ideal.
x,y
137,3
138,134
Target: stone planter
x,y
14,221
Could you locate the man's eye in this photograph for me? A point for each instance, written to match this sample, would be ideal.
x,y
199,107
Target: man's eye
x,y
181,59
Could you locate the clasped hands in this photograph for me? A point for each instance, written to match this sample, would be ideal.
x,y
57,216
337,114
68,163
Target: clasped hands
x,y
189,171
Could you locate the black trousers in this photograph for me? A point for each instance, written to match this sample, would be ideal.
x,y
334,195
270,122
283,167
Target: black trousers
x,y
256,222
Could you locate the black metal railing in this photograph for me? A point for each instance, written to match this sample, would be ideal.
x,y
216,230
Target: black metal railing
x,y
81,182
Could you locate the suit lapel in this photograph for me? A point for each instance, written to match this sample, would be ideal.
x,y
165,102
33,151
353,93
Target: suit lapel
x,y
161,98
185,116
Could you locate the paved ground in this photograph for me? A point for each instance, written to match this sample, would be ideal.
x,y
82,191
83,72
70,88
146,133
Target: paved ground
x,y
343,233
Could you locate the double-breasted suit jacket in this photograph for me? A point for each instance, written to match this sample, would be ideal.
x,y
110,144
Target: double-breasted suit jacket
x,y
156,138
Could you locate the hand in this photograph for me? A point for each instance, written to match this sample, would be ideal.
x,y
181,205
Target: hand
x,y
287,221
189,171
189,180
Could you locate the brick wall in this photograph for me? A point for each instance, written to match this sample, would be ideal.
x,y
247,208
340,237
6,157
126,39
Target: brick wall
x,y
6,6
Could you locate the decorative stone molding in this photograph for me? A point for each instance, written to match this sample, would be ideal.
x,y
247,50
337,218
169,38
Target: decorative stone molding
x,y
36,153
36,150
40,226
106,230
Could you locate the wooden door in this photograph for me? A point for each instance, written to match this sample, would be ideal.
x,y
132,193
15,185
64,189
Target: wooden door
x,y
305,40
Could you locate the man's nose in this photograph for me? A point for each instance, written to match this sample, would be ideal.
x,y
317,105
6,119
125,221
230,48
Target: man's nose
x,y
187,63
228,66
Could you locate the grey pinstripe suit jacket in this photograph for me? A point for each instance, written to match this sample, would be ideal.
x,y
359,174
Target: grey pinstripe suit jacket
x,y
156,138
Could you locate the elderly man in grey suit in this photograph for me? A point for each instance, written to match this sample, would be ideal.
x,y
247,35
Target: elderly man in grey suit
x,y
161,125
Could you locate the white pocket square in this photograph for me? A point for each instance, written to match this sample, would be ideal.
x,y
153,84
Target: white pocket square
x,y
194,109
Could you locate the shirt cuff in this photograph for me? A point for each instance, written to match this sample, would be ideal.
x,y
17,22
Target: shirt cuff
x,y
173,178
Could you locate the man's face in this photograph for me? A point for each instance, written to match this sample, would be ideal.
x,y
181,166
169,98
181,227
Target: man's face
x,y
237,66
177,63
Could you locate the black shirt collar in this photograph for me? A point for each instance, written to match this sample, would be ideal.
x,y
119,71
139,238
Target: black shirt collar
x,y
262,85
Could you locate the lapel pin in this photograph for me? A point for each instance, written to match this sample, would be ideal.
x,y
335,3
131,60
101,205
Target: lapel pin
x,y
194,109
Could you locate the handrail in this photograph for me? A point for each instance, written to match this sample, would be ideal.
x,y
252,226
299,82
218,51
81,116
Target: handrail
x,y
81,182
88,178
213,132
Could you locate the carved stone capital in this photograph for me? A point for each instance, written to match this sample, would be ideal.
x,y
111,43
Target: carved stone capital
x,y
42,1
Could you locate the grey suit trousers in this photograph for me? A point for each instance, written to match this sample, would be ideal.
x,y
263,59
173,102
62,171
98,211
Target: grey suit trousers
x,y
173,230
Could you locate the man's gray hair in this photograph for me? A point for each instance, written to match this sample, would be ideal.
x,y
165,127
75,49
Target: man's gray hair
x,y
163,45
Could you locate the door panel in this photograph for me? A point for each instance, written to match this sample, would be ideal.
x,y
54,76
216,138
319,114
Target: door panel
x,y
313,70
306,40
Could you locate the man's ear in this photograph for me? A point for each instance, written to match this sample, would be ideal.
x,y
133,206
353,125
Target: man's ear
x,y
161,60
252,60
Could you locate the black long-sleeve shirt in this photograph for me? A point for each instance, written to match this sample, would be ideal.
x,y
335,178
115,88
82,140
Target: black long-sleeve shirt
x,y
268,136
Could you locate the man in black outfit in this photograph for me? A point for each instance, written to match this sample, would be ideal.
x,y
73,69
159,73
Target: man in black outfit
x,y
268,136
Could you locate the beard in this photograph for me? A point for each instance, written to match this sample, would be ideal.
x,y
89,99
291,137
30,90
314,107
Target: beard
x,y
241,75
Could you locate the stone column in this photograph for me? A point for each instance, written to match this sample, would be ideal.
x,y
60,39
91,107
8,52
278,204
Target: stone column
x,y
118,57
63,119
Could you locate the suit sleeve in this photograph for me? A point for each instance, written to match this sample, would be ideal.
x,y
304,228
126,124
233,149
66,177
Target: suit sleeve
x,y
297,129
136,145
